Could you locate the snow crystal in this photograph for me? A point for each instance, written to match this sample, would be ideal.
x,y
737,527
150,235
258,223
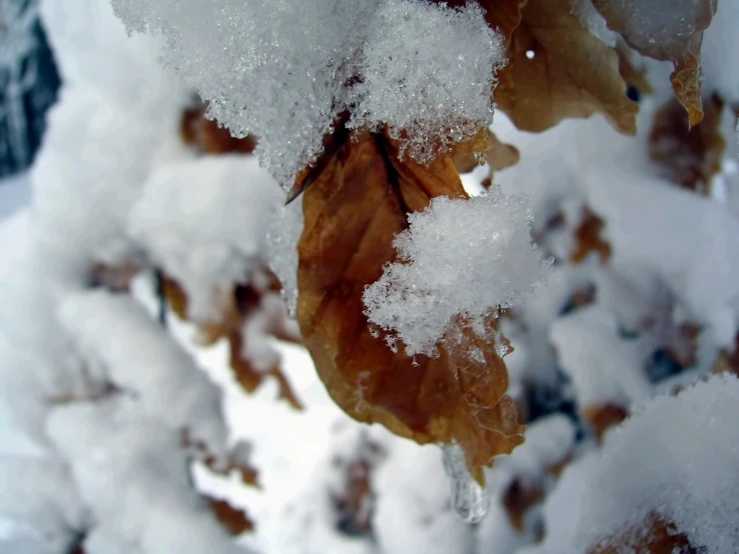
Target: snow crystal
x,y
458,258
429,72
204,222
285,70
676,458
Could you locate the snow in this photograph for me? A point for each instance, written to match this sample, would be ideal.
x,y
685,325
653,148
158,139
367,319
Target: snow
x,y
440,274
721,72
285,71
15,192
113,183
204,223
684,470
437,90
134,474
167,384
38,496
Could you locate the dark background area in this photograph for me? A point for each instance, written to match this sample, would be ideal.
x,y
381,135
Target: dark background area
x,y
29,84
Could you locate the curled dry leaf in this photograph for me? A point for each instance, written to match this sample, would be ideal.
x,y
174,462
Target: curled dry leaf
x,y
688,156
557,69
588,238
498,155
207,136
602,417
655,536
234,520
236,306
518,497
353,210
668,31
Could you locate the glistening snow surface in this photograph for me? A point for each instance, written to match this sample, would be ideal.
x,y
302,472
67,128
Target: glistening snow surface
x,y
285,70
677,458
459,257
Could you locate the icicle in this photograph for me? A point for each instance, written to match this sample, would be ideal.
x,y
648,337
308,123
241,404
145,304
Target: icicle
x,y
469,499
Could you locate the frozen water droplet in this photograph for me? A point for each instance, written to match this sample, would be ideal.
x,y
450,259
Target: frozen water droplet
x,y
469,499
502,348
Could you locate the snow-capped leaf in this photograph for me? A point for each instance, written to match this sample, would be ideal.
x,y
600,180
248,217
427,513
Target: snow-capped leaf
x,y
669,31
557,69
353,210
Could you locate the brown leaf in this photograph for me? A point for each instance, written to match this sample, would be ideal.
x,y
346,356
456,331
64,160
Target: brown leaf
x,y
675,36
688,156
353,211
588,239
602,417
242,302
497,154
251,378
355,502
234,520
200,451
557,69
208,137
517,498
654,536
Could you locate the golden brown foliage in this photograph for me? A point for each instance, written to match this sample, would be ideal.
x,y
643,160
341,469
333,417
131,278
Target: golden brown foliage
x,y
679,40
208,137
517,498
235,307
588,238
688,156
655,536
498,155
602,417
234,520
353,210
557,69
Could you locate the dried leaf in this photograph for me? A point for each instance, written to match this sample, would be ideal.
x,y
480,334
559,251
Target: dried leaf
x,y
237,306
517,498
353,210
588,239
234,520
498,155
355,503
688,156
668,31
655,536
558,69
208,137
604,416
199,451
251,378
